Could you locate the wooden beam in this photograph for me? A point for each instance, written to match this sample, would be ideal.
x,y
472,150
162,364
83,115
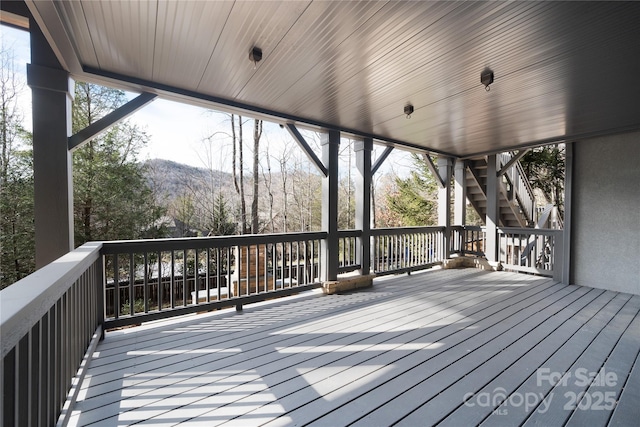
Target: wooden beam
x,y
434,170
297,136
513,160
363,180
117,115
381,159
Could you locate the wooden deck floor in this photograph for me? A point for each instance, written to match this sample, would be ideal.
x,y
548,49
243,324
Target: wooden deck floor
x,y
447,347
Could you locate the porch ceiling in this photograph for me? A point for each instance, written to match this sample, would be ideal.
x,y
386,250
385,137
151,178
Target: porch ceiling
x,y
563,70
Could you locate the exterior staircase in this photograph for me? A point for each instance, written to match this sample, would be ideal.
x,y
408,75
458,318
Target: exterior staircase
x,y
516,198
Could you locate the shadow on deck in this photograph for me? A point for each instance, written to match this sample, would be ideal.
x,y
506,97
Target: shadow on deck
x,y
447,347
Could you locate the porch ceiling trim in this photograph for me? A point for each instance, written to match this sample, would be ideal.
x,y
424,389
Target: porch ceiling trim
x,y
563,70
230,105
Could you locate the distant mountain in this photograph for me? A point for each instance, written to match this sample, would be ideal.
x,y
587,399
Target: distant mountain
x,y
174,179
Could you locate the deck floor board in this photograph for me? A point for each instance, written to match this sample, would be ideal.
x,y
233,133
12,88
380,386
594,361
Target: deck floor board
x,y
574,382
407,351
511,380
612,378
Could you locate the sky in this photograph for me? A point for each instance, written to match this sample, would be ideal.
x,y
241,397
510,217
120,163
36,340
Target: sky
x,y
179,132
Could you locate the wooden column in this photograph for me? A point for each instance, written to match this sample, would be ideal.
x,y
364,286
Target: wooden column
x,y
460,193
329,251
363,203
52,95
445,169
491,221
562,262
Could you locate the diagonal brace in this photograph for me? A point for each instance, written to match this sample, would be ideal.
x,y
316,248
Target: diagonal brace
x,y
381,159
513,160
434,170
117,115
295,133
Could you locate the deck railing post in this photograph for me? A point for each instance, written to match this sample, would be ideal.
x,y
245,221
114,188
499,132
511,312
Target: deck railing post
x,y
330,246
101,284
363,204
558,256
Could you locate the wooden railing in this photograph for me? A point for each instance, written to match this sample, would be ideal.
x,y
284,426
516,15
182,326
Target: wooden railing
x,y
405,249
521,188
468,240
52,320
527,250
48,321
347,252
154,279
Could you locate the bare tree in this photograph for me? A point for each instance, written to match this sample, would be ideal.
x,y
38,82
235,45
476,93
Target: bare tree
x,y
257,134
238,169
277,197
267,179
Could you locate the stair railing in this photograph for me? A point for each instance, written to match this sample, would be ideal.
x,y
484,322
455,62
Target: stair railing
x,y
522,190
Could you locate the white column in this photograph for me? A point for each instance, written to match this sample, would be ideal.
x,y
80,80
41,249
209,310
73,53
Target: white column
x,y
491,221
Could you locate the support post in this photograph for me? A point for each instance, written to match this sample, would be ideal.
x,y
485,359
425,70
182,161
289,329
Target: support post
x,y
565,267
445,170
491,219
329,249
363,151
52,97
460,193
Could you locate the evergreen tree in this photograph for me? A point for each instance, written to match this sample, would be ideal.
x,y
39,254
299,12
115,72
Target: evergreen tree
x,y
415,199
112,198
223,223
545,168
17,244
17,219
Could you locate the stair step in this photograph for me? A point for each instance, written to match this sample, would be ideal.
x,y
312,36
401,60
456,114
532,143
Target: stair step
x,y
476,184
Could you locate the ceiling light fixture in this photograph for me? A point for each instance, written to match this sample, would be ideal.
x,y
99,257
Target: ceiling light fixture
x,y
486,78
408,110
255,56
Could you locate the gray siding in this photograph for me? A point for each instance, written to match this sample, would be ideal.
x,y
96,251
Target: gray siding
x,y
606,213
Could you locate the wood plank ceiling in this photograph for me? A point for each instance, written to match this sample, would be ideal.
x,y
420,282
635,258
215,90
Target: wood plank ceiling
x,y
563,70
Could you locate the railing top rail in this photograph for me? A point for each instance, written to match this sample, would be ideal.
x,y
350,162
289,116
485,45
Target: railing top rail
x,y
531,231
24,303
206,242
349,233
468,227
526,182
528,202
405,230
